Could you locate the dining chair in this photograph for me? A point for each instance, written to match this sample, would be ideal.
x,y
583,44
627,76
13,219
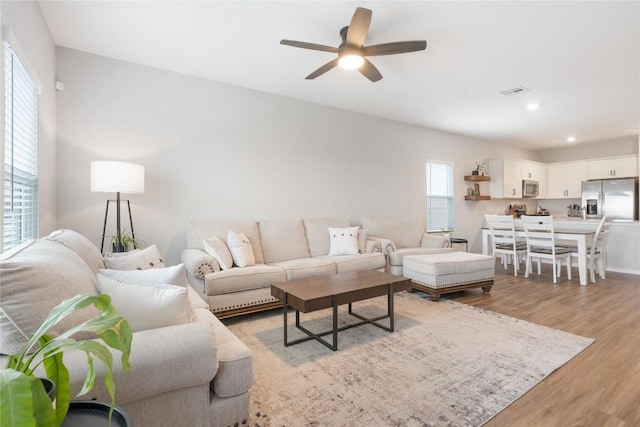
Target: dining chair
x,y
541,244
598,251
505,243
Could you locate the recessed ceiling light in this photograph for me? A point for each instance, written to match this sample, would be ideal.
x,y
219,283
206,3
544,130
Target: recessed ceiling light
x,y
571,139
533,106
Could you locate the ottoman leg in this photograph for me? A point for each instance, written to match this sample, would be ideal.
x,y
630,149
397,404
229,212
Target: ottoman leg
x,y
434,297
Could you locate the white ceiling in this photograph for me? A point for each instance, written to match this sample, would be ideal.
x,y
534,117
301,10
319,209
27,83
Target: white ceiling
x,y
579,59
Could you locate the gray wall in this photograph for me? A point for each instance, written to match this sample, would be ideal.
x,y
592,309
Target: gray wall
x,y
213,150
24,26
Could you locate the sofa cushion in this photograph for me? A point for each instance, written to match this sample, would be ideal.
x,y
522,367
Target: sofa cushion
x,y
395,258
283,240
147,305
80,245
37,276
317,233
198,230
357,262
137,260
302,268
406,232
218,249
241,279
343,241
240,248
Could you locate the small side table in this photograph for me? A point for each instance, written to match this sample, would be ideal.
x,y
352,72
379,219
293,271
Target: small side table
x,y
455,240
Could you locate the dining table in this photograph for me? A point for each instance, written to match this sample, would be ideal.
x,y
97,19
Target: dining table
x,y
580,236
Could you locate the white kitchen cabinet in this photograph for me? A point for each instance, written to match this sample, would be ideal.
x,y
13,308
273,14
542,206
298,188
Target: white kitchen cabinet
x,y
536,172
564,180
614,167
506,178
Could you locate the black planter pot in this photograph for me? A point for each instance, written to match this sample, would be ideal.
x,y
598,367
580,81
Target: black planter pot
x,y
49,387
475,172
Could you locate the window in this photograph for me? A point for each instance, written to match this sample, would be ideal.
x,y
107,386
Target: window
x,y
439,196
20,168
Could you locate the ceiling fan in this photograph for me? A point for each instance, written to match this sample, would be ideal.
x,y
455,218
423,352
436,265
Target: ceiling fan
x,y
351,52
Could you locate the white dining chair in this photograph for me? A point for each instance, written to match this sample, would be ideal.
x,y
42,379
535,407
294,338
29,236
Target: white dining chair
x,y
538,231
505,243
597,255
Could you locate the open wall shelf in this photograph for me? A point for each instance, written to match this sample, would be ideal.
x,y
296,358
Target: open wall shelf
x,y
477,179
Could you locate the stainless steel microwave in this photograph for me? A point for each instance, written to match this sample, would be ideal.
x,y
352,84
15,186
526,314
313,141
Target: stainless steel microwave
x,y
530,188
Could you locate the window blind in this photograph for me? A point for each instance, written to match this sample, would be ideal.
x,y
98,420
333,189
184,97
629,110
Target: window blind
x,y
20,168
439,196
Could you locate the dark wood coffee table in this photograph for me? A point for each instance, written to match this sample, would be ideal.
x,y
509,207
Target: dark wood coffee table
x,y
318,293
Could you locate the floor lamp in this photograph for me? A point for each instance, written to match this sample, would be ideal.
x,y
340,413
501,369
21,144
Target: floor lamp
x,y
117,177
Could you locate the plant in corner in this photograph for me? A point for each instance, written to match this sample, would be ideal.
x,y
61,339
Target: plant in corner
x,y
23,397
125,242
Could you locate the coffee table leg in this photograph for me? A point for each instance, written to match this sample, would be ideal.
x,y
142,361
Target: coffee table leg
x,y
335,323
390,307
284,307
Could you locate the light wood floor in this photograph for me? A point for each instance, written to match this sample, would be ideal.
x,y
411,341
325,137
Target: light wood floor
x,y
600,386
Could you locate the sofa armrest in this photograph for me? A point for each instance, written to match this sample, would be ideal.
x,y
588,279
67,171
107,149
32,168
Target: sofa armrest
x,y
199,263
387,246
431,241
373,247
159,363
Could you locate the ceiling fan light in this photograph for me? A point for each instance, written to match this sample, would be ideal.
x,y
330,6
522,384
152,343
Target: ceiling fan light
x,y
351,62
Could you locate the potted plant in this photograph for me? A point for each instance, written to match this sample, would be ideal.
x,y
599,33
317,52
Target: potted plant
x,y
125,242
23,397
480,168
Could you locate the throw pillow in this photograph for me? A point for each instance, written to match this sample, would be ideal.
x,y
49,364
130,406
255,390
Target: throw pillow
x,y
343,241
147,306
218,249
174,275
240,248
139,260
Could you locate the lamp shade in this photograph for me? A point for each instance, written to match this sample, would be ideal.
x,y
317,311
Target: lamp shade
x,y
116,177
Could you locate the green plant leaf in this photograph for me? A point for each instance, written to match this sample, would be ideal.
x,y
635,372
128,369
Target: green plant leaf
x,y
58,373
24,401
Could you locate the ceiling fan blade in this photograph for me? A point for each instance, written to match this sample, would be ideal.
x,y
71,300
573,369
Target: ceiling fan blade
x,y
312,46
394,48
359,26
369,71
320,71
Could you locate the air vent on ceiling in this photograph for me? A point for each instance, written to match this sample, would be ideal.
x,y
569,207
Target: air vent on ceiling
x,y
515,90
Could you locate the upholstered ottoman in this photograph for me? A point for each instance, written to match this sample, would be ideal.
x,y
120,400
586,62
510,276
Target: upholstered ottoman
x,y
443,273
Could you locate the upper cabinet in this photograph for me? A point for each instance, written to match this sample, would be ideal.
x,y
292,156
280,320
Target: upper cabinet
x,y
565,180
615,167
507,176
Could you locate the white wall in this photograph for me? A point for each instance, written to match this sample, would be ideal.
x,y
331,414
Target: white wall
x,y
213,150
28,30
613,147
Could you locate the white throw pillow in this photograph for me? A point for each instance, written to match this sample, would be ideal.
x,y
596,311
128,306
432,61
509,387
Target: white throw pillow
x,y
139,260
240,248
147,306
343,241
218,249
174,275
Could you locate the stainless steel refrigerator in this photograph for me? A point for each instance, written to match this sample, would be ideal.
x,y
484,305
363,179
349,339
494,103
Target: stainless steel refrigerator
x,y
615,198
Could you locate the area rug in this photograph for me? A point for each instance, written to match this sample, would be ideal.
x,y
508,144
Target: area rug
x,y
447,364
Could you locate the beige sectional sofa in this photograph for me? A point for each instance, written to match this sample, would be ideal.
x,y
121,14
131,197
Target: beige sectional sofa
x,y
192,374
402,236
283,250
